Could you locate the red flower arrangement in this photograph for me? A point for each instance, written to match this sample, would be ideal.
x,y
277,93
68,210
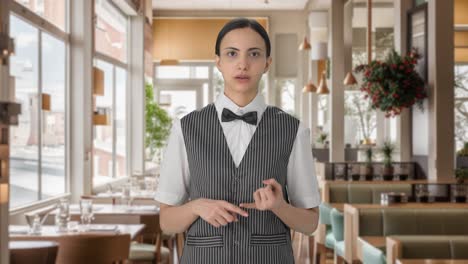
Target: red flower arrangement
x,y
393,84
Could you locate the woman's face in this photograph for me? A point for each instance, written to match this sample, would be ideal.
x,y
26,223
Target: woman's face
x,y
242,60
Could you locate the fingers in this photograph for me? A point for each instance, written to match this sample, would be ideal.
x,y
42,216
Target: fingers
x,y
235,209
274,183
269,193
248,205
263,195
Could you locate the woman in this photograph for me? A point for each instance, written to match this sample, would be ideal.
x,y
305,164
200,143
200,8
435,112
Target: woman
x,y
238,174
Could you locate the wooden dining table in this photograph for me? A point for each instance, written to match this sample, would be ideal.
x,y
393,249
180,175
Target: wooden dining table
x,y
19,232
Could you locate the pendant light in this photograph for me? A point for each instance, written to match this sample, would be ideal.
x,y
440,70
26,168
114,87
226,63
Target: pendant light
x,y
309,88
305,45
350,79
323,88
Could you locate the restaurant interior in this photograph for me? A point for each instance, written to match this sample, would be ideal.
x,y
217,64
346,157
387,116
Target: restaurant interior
x,y
89,91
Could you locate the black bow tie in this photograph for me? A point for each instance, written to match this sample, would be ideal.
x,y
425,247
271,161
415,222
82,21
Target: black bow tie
x,y
228,116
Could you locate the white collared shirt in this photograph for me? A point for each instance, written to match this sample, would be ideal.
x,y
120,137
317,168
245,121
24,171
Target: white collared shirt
x,y
175,174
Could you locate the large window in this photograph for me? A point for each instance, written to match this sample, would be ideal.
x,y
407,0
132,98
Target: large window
x,y
110,146
360,119
38,143
110,140
287,89
52,10
461,105
110,30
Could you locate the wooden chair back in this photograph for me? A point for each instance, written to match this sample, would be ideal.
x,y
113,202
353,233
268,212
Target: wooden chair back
x,y
91,248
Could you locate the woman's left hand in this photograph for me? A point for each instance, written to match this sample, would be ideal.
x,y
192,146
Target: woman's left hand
x,y
269,197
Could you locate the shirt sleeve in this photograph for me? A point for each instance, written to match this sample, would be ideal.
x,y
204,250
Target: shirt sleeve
x,y
174,174
302,183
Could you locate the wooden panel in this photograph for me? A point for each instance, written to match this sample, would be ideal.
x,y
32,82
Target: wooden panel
x,y
100,120
322,65
461,9
98,87
188,38
461,55
461,39
46,102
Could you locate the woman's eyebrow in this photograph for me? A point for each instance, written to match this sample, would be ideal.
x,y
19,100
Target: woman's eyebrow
x,y
254,48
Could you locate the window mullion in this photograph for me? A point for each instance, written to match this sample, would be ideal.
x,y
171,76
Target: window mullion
x,y
39,115
114,133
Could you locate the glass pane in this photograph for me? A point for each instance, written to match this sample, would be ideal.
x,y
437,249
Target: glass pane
x,y
103,138
120,119
53,121
180,102
287,89
201,72
52,10
360,119
173,72
461,105
24,150
110,31
218,82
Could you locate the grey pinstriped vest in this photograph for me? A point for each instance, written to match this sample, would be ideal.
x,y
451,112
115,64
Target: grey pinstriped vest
x,y
261,237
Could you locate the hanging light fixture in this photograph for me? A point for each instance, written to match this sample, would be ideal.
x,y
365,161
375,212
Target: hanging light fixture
x,y
305,45
323,88
309,88
350,79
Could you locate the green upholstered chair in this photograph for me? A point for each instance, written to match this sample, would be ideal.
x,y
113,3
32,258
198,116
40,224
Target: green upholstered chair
x,y
337,223
429,247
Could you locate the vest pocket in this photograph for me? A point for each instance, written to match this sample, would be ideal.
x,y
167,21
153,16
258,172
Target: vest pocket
x,y
269,240
205,241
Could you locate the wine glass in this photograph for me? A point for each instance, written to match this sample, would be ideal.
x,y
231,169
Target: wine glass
x,y
86,212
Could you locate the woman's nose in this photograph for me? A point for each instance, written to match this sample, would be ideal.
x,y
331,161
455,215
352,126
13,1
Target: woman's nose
x,y
243,63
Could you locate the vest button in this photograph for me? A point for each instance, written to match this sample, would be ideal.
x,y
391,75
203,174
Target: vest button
x,y
236,242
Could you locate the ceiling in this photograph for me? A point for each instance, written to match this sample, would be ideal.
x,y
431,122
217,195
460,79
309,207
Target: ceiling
x,y
229,4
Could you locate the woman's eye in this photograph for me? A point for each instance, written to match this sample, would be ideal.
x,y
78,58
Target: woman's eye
x,y
231,53
255,54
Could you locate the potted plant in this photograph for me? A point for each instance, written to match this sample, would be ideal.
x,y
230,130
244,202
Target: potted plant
x,y
387,150
367,169
158,124
462,156
393,84
461,174
322,139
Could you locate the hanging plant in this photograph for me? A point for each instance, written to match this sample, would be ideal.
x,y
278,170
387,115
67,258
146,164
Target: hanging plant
x,y
393,84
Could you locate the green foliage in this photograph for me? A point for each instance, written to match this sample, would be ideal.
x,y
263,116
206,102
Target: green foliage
x,y
158,122
387,150
393,84
369,156
464,151
322,137
461,174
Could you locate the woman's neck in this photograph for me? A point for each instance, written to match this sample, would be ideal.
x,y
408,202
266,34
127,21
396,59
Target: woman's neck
x,y
240,99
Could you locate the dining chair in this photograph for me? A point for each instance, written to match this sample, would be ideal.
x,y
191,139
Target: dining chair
x,y
96,248
42,252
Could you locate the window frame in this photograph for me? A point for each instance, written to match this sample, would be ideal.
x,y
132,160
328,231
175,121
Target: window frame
x,y
125,66
455,99
42,25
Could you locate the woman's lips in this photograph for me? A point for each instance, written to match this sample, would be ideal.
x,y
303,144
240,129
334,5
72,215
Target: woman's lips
x,y
242,79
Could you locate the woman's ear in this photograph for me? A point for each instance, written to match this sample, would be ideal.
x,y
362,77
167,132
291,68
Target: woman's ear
x,y
218,63
268,64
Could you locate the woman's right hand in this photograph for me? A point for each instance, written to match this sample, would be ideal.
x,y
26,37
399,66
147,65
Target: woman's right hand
x,y
217,212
